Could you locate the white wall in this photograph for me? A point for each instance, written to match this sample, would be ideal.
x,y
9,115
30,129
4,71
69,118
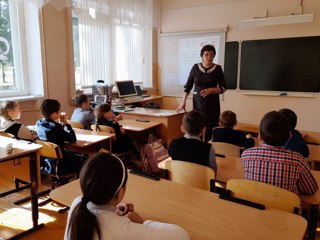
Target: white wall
x,y
249,109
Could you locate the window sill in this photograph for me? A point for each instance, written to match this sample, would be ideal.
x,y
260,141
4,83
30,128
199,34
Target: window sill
x,y
22,98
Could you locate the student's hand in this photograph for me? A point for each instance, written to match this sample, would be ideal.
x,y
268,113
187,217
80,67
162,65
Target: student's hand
x,y
249,135
63,118
124,208
122,130
119,117
135,217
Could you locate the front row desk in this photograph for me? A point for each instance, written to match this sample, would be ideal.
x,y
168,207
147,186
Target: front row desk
x,y
200,212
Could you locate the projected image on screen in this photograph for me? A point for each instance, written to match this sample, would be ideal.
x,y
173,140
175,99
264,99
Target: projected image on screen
x,y
291,64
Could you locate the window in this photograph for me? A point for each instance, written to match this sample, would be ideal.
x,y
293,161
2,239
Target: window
x,y
113,43
20,49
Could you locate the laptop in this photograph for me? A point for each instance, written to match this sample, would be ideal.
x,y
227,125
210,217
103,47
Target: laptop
x,y
139,92
127,90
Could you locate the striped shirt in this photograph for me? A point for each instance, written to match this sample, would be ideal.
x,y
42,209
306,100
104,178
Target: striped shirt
x,y
278,167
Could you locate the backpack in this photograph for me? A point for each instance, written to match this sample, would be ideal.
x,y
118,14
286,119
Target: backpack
x,y
153,153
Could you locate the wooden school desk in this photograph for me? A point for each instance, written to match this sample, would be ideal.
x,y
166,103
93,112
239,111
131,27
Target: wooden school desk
x,y
313,200
169,119
142,101
89,141
22,149
201,213
138,126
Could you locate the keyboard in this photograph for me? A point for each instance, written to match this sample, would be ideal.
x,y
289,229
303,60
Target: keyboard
x,y
133,98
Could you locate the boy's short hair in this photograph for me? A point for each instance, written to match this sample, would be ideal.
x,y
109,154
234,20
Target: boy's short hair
x,y
291,116
193,122
82,98
228,119
49,106
274,129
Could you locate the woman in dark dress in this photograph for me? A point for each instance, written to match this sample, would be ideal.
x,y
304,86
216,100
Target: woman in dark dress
x,y
208,80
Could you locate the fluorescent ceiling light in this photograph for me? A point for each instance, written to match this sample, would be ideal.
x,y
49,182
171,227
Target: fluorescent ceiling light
x,y
269,21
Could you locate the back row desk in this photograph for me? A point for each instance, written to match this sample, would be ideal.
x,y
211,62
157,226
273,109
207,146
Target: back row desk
x,y
200,212
170,120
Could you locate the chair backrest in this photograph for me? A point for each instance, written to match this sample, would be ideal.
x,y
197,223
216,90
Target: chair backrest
x,y
5,134
102,128
192,174
266,194
229,167
75,124
49,150
227,149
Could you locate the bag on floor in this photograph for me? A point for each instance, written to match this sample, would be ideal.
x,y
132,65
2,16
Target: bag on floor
x,y
152,154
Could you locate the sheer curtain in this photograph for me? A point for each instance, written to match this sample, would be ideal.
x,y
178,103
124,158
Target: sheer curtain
x,y
112,39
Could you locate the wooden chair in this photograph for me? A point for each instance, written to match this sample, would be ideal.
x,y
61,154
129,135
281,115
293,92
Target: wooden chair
x,y
191,174
51,150
75,124
266,194
227,149
229,167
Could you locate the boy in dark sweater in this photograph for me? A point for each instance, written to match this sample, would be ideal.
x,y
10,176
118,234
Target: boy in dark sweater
x,y
226,133
190,148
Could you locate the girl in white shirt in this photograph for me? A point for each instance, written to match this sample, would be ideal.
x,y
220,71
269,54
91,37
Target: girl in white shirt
x,y
100,215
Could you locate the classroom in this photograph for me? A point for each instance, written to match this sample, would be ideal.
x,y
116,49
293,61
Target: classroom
x,y
57,77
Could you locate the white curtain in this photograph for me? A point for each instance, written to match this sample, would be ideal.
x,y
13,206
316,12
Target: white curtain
x,y
115,39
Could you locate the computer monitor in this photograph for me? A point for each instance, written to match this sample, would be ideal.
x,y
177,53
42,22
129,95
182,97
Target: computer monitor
x,y
126,88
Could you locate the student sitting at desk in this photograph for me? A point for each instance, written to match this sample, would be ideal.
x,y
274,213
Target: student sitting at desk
x,y
296,142
190,148
100,214
271,163
53,127
9,112
226,133
83,113
123,141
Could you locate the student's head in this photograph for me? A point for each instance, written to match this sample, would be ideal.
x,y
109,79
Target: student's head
x,y
50,109
291,116
82,101
193,123
103,182
10,110
228,119
104,111
274,129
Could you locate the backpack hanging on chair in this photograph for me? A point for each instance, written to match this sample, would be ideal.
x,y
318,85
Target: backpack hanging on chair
x,y
152,153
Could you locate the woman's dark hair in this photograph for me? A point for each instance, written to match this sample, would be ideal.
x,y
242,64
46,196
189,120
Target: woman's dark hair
x,y
228,119
209,48
291,116
82,98
274,129
101,178
6,106
49,106
193,122
102,109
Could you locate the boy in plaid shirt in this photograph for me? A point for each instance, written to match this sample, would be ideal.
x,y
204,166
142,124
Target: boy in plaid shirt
x,y
271,163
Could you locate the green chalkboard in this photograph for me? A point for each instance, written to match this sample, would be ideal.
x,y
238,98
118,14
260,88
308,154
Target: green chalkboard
x,y
289,64
231,64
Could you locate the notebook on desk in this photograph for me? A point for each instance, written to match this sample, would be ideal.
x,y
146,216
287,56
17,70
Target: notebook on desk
x,y
127,90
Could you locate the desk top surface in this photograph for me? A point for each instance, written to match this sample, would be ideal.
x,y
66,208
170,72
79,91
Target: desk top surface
x,y
126,102
87,137
137,125
148,112
200,212
20,147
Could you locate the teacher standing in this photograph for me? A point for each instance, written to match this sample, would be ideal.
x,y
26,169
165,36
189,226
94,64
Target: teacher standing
x,y
208,80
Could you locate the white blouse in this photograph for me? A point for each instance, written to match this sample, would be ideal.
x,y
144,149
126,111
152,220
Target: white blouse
x,y
115,227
